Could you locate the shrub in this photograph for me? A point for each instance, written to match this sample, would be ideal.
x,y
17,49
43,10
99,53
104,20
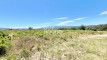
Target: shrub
x,y
30,28
82,27
4,43
2,50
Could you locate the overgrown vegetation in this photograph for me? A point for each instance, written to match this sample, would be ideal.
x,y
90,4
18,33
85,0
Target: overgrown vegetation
x,y
70,43
4,43
53,45
101,27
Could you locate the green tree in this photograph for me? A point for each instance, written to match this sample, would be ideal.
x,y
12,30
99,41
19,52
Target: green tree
x,y
82,27
30,28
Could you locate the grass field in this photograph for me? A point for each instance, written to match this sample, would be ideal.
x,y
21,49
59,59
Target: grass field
x,y
53,45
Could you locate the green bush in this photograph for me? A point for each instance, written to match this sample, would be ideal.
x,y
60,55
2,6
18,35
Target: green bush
x,y
4,43
2,50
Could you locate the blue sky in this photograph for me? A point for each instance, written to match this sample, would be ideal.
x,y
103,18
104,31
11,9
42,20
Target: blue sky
x,y
42,13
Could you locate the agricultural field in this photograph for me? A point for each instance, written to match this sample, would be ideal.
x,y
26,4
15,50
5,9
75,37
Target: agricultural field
x,y
53,45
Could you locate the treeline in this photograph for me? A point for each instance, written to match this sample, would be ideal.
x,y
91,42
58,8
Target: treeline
x,y
101,27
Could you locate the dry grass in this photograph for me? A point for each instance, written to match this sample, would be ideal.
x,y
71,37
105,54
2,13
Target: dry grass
x,y
57,45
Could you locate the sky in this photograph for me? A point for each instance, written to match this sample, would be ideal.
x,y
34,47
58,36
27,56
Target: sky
x,y
43,13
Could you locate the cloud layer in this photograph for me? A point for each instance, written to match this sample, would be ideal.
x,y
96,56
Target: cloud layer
x,y
62,18
103,13
67,21
81,18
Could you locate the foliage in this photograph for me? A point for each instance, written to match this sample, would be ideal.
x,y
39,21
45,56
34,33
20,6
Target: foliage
x,y
4,43
30,28
55,45
100,27
82,27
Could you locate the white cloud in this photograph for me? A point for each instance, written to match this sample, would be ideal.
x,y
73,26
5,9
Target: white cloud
x,y
103,13
80,18
62,18
65,22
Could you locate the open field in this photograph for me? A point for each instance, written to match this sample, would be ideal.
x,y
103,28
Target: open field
x,y
53,45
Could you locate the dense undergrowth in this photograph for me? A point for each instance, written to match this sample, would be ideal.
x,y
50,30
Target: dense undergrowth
x,y
4,43
52,45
